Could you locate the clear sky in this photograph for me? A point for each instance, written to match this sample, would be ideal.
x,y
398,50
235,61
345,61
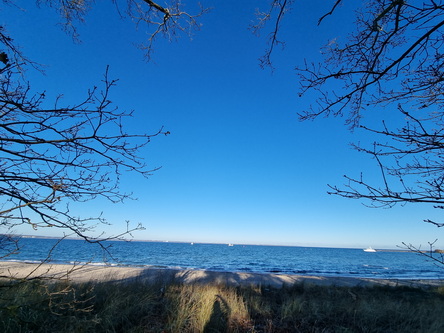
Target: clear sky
x,y
238,166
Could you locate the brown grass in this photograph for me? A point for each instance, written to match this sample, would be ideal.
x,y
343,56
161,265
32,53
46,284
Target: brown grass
x,y
173,307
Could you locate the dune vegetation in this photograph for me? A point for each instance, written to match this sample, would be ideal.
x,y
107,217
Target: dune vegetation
x,y
36,306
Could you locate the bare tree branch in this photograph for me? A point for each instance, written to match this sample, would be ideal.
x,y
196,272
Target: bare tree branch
x,y
393,62
337,3
275,13
374,57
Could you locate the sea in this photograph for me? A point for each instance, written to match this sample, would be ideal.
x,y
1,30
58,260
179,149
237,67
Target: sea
x,y
320,261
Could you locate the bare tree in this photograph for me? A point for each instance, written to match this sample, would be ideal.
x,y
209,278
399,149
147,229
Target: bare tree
x,y
169,19
54,154
392,61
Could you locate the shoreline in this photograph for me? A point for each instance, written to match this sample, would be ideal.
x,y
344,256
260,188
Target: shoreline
x,y
97,273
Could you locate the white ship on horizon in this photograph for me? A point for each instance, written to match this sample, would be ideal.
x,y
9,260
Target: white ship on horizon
x,y
369,249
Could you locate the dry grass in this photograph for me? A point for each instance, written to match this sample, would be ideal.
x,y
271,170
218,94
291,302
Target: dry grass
x,y
173,307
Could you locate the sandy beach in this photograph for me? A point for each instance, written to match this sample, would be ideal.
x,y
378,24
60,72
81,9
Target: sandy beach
x,y
86,273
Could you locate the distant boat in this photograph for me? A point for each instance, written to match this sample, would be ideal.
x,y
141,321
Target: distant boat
x,y
369,249
192,243
230,244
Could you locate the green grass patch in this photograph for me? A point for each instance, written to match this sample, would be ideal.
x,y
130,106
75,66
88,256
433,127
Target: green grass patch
x,y
173,307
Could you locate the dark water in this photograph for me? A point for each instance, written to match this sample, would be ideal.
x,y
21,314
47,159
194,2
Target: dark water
x,y
238,258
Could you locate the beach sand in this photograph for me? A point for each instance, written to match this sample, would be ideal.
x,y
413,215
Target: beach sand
x,y
92,273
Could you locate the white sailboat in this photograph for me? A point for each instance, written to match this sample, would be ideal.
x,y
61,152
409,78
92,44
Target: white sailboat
x,y
369,249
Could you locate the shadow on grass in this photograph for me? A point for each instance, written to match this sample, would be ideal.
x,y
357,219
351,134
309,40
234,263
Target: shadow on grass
x,y
219,317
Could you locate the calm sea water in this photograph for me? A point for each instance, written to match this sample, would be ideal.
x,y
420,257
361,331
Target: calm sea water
x,y
238,258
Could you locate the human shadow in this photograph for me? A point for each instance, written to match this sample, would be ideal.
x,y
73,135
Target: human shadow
x,y
220,313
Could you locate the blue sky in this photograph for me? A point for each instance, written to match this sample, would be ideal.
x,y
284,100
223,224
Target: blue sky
x,y
238,166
